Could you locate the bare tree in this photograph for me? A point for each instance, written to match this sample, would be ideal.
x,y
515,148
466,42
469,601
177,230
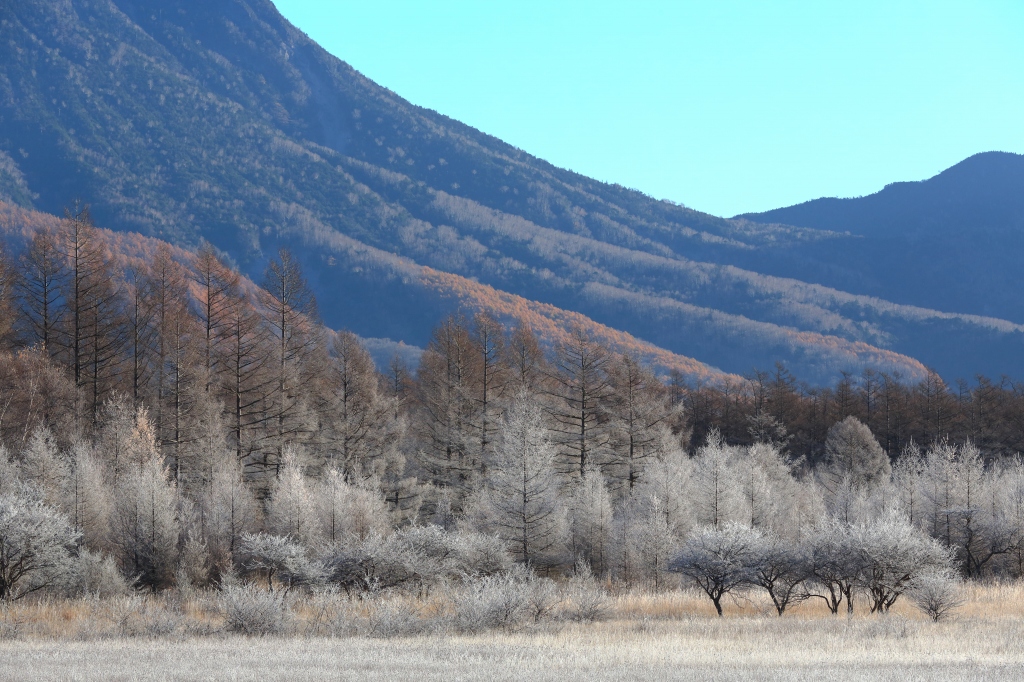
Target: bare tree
x,y
39,292
93,335
360,431
291,313
640,417
580,401
444,421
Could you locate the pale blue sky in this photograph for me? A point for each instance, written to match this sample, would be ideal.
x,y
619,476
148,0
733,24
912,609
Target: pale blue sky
x,y
724,106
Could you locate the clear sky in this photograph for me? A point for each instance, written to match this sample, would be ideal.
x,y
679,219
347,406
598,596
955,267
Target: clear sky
x,y
725,106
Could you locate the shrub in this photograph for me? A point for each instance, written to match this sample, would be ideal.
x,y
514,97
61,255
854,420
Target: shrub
x,y
250,610
497,601
280,556
95,574
585,600
391,618
937,594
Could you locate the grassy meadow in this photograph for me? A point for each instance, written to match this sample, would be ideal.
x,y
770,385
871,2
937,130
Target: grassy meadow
x,y
672,635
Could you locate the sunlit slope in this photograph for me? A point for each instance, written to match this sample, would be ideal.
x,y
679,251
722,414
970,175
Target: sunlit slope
x,y
218,120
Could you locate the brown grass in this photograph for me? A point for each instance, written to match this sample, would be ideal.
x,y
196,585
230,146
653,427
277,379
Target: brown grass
x,y
669,635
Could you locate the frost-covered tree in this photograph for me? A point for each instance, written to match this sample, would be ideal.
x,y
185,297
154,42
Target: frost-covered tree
x,y
35,546
145,526
718,560
519,499
780,566
590,521
891,555
853,454
291,510
347,512
229,510
716,486
43,467
88,498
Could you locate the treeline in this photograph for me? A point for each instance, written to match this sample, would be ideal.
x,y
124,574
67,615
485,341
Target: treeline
x,y
775,406
166,415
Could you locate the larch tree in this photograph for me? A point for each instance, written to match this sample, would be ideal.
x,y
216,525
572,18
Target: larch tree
x,y
291,313
172,348
715,486
39,292
640,417
291,510
89,497
229,511
218,290
145,527
852,454
94,334
581,395
444,422
348,513
519,500
140,332
244,358
360,431
525,360
590,521
489,380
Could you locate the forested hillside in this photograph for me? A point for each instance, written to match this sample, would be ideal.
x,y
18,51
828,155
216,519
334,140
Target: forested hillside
x,y
220,121
167,423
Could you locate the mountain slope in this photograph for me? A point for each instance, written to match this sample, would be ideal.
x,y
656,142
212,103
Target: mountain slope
x,y
218,120
435,292
954,241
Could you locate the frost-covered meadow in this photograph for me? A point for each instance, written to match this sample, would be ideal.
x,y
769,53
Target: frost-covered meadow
x,y
674,635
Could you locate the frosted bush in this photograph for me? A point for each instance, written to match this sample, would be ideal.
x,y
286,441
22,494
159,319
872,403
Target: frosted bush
x,y
493,602
391,618
937,594
585,600
251,610
95,574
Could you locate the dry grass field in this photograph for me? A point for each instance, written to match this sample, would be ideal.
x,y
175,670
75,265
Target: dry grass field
x,y
644,637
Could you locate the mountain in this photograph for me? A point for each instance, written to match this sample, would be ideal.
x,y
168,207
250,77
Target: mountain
x,y
218,120
954,241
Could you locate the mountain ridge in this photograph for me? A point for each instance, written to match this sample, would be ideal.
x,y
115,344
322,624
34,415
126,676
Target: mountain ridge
x,y
221,121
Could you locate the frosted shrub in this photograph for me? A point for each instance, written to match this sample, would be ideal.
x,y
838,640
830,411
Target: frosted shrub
x,y
719,561
419,555
586,601
497,601
937,594
96,574
542,598
35,544
280,557
137,616
391,618
250,610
